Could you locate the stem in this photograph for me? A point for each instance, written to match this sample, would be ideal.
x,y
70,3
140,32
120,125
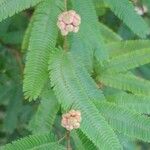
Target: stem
x,y
65,38
68,140
65,44
65,2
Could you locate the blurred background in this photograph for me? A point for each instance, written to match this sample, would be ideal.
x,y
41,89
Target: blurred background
x,y
15,111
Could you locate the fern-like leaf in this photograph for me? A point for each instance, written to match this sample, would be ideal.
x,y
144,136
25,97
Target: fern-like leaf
x,y
128,61
126,82
108,34
45,116
32,142
140,104
70,91
125,11
42,41
93,37
51,146
27,35
10,7
86,142
127,142
126,121
122,47
76,140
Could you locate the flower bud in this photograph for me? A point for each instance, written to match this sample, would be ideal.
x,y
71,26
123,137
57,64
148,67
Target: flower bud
x,y
71,120
141,11
68,21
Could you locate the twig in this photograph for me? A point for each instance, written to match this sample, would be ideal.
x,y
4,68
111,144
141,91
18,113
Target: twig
x,y
68,140
65,46
65,38
65,2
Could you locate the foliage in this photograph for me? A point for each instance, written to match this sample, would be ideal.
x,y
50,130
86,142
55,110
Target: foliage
x,y
102,71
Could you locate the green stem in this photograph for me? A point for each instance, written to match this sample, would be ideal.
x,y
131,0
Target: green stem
x,y
65,38
68,140
65,46
65,2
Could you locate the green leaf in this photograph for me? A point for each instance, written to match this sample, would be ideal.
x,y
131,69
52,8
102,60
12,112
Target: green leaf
x,y
145,71
43,120
32,142
89,30
140,104
128,143
84,48
125,11
85,141
27,35
76,140
10,7
123,47
52,146
70,90
42,41
126,121
128,61
126,82
108,34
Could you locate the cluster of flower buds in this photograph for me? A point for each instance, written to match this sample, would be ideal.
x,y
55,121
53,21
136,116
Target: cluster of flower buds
x,y
71,120
141,10
68,21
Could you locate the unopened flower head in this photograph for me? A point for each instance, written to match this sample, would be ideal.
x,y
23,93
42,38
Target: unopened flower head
x,y
71,120
68,21
141,10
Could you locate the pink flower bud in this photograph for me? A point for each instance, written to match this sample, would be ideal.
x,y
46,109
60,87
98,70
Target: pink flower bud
x,y
72,12
69,28
67,18
77,125
64,32
68,21
76,29
61,25
76,22
71,120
